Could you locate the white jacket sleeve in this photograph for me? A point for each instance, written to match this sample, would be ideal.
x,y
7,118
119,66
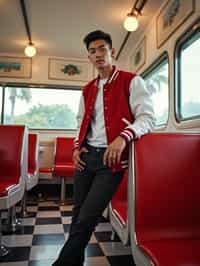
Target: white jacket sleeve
x,y
142,108
79,117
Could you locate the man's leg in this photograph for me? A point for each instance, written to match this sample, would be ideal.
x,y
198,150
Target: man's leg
x,y
102,189
82,183
103,186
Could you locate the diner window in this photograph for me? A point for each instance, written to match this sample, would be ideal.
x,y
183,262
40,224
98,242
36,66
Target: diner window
x,y
1,96
42,108
187,74
156,79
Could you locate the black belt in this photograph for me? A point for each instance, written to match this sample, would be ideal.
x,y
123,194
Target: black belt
x,y
95,149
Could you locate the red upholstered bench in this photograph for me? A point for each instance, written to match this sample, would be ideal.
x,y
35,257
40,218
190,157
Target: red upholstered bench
x,y
13,164
13,167
63,164
118,211
44,170
165,199
33,169
33,161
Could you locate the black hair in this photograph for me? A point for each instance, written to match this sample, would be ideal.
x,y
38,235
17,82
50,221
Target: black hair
x,y
97,35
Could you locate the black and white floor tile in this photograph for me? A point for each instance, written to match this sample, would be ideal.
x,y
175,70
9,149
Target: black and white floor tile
x,y
38,240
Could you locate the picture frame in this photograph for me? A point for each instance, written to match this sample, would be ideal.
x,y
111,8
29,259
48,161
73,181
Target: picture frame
x,y
138,58
70,69
15,67
171,17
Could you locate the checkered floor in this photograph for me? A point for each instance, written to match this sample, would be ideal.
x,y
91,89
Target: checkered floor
x,y
38,240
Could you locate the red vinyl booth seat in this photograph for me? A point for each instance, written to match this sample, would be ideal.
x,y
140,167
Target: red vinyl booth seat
x,y
63,170
32,150
167,198
118,210
119,200
174,252
63,166
33,153
44,170
13,165
5,186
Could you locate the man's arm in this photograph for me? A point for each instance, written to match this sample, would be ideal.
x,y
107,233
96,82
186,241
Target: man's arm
x,y
79,164
142,108
79,118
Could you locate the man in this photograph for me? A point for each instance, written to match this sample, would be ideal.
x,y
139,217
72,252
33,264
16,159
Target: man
x,y
115,109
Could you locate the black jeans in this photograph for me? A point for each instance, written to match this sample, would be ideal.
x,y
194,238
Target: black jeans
x,y
93,189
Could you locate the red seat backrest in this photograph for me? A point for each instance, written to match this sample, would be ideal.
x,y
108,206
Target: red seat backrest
x,y
121,192
11,144
32,150
167,186
64,150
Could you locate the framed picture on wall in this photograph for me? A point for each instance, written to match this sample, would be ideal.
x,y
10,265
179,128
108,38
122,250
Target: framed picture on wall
x,y
172,16
15,67
138,58
73,70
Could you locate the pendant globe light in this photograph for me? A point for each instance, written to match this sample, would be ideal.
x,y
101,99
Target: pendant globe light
x,y
30,49
131,22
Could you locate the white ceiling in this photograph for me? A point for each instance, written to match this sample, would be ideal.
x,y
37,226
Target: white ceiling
x,y
58,27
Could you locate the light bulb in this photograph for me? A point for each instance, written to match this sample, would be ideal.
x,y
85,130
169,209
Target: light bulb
x,y
30,50
131,22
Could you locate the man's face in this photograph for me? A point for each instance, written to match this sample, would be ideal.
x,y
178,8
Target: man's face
x,y
100,54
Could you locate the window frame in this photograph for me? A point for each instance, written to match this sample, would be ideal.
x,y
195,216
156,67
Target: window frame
x,y
37,86
182,42
163,57
2,104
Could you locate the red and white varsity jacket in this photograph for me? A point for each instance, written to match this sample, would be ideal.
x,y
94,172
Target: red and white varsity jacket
x,y
117,110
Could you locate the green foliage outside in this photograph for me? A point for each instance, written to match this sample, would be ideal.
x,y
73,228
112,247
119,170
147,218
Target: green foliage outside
x,y
23,94
55,116
45,117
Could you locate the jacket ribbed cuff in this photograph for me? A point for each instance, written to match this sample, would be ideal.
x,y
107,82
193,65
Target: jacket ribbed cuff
x,y
128,134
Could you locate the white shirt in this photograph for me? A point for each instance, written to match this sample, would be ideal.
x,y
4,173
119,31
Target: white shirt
x,y
97,135
141,106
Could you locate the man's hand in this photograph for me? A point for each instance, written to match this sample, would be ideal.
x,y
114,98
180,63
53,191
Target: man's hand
x,y
113,152
79,164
